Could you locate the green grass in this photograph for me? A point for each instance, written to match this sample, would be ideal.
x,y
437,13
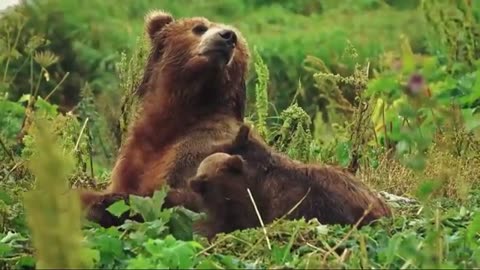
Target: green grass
x,y
329,81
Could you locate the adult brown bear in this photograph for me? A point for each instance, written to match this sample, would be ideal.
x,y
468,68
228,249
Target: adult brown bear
x,y
277,184
193,98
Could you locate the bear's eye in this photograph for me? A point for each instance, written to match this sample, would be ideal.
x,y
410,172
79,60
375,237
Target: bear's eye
x,y
200,29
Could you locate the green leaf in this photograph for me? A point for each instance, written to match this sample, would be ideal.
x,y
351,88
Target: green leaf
x,y
230,262
406,111
383,85
149,208
140,262
322,229
5,249
11,107
426,188
45,107
389,253
159,197
171,252
26,262
142,206
281,254
5,197
343,153
472,121
118,208
24,98
90,256
473,228
207,264
180,225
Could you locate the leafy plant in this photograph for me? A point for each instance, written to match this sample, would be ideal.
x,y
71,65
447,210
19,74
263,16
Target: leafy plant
x,y
53,214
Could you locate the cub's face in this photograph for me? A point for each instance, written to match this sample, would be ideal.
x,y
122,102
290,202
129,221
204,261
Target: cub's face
x,y
196,45
220,179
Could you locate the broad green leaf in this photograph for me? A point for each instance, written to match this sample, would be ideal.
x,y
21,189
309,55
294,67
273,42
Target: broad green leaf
x,y
15,108
159,198
118,208
24,98
142,206
473,229
181,225
384,85
472,121
26,262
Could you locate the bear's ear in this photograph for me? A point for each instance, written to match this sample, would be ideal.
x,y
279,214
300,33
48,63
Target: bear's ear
x,y
241,139
155,21
243,134
234,164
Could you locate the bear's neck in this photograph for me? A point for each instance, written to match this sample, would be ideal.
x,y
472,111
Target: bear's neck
x,y
170,112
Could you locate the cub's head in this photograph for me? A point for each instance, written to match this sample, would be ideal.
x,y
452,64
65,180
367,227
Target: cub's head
x,y
196,46
221,178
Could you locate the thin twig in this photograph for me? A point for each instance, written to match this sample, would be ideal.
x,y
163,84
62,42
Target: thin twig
x,y
90,153
344,255
10,48
37,87
260,219
297,204
293,208
80,135
57,86
18,164
317,248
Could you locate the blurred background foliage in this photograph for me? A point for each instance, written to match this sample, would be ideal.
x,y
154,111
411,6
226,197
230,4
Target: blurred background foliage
x,y
86,38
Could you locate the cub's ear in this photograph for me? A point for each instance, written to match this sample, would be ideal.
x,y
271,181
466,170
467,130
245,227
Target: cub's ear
x,y
199,185
242,136
155,21
234,164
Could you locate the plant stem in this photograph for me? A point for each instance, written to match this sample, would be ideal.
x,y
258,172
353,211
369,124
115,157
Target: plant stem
x,y
57,86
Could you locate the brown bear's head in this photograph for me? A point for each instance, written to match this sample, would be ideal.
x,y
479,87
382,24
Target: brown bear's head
x,y
197,60
221,178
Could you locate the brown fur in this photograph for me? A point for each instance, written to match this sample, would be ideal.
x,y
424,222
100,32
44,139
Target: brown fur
x,y
277,184
193,100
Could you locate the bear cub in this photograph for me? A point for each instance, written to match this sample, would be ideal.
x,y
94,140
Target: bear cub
x,y
277,184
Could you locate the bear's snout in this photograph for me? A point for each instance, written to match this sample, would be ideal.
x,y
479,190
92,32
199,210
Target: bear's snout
x,y
229,37
219,43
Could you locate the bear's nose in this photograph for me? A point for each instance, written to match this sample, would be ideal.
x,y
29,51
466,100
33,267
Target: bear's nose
x,y
229,36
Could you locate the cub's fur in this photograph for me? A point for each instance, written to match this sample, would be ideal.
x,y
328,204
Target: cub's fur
x,y
277,184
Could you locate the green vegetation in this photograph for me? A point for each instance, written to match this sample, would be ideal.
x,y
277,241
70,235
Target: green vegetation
x,y
387,88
